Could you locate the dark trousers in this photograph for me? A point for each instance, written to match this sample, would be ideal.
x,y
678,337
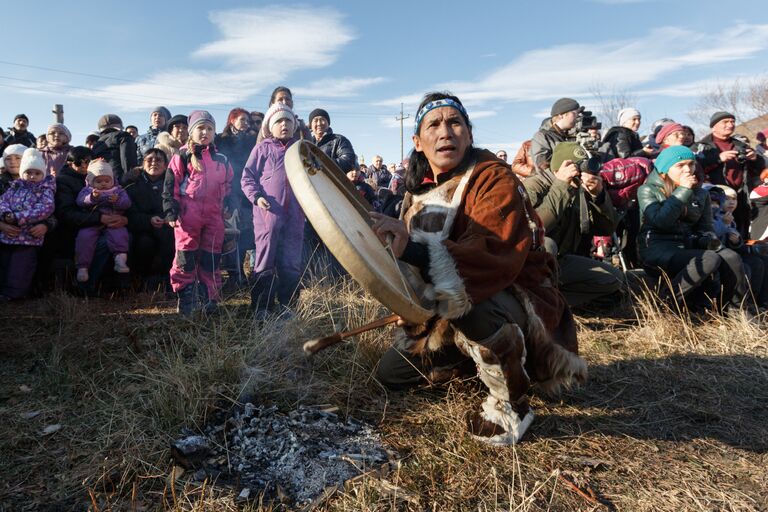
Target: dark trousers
x,y
630,227
721,270
152,252
245,243
756,267
399,369
17,269
583,280
100,266
742,215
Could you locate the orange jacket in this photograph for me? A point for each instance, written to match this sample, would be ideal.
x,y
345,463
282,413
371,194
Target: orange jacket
x,y
522,165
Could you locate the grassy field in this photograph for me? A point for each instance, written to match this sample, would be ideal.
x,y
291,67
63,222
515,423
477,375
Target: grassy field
x,y
674,415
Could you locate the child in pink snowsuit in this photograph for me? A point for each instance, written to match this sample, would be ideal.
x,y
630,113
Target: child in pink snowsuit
x,y
278,220
195,196
103,194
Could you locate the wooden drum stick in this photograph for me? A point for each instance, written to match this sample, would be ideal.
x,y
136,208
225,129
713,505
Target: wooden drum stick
x,y
316,345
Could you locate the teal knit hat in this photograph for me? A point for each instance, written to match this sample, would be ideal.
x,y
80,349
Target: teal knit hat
x,y
671,156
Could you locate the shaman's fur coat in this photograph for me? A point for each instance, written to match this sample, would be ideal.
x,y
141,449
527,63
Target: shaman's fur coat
x,y
483,236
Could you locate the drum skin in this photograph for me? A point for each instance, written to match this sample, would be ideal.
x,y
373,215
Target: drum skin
x,y
340,217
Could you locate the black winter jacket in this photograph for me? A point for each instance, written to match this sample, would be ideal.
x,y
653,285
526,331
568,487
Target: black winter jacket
x,y
119,149
237,149
339,149
26,138
621,142
717,172
70,216
146,202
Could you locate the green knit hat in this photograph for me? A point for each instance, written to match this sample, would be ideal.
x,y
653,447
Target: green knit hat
x,y
671,156
566,151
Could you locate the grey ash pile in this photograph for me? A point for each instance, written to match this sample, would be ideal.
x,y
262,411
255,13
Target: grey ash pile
x,y
290,457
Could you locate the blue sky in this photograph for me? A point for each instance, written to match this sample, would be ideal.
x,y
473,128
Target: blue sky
x,y
359,60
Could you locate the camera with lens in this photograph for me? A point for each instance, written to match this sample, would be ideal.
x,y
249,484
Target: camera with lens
x,y
741,154
590,165
705,241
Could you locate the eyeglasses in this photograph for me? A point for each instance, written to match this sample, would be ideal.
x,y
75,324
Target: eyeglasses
x,y
151,159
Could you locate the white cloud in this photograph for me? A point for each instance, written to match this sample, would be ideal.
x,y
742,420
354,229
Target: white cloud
x,y
250,37
510,147
336,87
411,101
392,122
696,88
479,114
244,60
682,90
573,69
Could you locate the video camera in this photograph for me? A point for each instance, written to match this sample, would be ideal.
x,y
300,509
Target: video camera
x,y
585,122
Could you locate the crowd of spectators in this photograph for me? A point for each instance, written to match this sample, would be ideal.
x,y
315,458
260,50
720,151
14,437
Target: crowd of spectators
x,y
169,208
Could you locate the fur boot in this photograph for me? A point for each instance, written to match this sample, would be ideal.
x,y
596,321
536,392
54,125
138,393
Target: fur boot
x,y
505,415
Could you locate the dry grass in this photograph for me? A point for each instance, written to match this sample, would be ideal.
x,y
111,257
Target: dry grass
x,y
672,418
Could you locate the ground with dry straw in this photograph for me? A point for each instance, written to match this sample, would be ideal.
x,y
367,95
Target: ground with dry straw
x,y
673,417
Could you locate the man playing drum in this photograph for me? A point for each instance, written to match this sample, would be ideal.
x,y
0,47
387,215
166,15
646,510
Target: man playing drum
x,y
469,230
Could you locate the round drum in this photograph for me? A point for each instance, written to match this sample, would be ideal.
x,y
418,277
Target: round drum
x,y
340,217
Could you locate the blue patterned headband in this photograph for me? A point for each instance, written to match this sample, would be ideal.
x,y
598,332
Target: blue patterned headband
x,y
446,102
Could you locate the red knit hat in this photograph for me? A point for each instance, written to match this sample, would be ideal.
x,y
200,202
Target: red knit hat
x,y
667,130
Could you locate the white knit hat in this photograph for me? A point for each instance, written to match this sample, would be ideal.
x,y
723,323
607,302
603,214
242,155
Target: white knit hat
x,y
626,114
13,149
32,159
98,167
276,112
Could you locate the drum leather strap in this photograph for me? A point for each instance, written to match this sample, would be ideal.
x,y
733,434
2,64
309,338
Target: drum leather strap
x,y
456,201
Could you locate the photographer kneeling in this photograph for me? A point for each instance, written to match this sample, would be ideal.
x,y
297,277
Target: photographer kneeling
x,y
574,207
677,234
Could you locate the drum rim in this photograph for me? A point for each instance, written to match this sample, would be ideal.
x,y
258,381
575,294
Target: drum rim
x,y
368,277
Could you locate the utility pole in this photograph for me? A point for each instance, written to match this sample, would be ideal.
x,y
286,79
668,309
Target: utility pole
x,y
401,119
58,113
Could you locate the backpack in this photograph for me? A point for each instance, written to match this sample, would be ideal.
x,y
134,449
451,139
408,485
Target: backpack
x,y
622,177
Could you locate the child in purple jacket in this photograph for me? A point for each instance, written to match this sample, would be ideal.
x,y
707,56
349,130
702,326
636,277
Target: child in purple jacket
x,y
24,207
102,193
278,220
